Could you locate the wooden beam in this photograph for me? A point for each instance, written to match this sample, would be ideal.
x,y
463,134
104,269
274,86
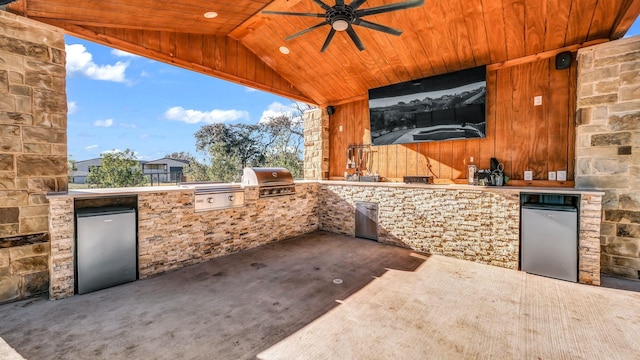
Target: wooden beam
x,y
90,35
258,19
626,16
542,55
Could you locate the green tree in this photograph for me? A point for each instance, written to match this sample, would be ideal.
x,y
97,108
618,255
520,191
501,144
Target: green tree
x,y
71,167
117,169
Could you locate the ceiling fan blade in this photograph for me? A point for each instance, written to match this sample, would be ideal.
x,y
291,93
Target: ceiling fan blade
x,y
355,4
390,7
306,30
326,42
354,37
293,14
324,6
377,27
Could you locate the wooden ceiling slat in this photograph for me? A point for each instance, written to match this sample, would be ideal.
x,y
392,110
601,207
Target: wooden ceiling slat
x,y
514,28
425,34
474,21
440,32
579,21
557,23
625,17
535,24
495,28
151,40
459,33
601,23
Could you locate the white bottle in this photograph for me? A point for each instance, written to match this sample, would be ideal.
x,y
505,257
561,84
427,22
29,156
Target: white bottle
x,y
471,172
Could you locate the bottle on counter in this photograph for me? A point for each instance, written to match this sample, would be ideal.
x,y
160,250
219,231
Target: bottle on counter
x,y
472,171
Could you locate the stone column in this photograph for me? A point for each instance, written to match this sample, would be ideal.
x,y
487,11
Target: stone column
x,y
33,148
608,147
316,145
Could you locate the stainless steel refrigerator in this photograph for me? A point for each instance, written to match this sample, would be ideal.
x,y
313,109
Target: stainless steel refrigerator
x,y
549,241
106,248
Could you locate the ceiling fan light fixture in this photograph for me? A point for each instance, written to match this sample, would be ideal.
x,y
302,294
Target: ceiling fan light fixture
x,y
340,25
210,14
284,50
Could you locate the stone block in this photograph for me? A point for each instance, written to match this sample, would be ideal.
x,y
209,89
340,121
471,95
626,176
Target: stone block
x,y
21,184
59,149
608,228
624,107
632,263
9,215
624,150
26,251
9,130
610,200
24,104
35,199
598,100
30,225
41,165
617,138
4,81
630,78
35,283
50,101
608,166
31,134
620,271
21,90
13,198
6,162
606,87
5,272
4,257
622,216
15,118
42,185
9,230
583,116
602,182
38,80
586,90
597,151
47,68
630,66
10,288
15,77
599,74
630,200
30,265
585,60
629,93
42,149
24,48
615,49
34,210
628,231
58,57
7,103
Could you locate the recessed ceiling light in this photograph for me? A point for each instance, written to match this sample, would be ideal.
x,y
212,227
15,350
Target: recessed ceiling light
x,y
210,14
284,50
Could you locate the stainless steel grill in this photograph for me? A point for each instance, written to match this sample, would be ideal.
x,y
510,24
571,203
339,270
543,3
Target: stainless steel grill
x,y
216,196
271,181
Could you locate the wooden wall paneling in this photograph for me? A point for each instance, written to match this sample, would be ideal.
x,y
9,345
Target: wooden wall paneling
x,y
459,33
473,20
241,62
442,35
494,28
412,159
535,23
605,11
195,44
151,40
571,126
578,25
168,43
486,148
522,104
401,161
183,48
557,22
458,163
503,135
446,159
392,161
539,120
558,131
514,28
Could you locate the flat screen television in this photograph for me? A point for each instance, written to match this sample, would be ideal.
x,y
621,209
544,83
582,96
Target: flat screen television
x,y
443,107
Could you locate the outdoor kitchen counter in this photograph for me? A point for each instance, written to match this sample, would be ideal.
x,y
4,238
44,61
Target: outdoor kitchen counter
x,y
476,223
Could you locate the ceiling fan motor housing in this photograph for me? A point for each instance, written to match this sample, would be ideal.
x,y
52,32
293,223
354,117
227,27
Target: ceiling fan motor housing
x,y
340,17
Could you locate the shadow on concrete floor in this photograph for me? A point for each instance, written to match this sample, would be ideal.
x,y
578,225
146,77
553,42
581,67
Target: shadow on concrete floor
x,y
619,283
232,307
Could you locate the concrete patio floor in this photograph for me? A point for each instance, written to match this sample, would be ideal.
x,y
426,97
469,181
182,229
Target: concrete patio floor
x,y
279,301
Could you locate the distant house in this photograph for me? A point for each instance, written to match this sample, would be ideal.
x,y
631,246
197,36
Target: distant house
x,y
164,170
82,169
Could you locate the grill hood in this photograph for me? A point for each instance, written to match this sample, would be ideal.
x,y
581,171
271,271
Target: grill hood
x,y
271,181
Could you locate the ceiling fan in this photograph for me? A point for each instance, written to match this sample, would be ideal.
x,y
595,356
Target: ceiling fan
x,y
341,17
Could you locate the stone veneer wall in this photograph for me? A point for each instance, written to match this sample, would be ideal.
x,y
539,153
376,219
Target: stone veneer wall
x,y
316,145
480,225
33,148
608,147
171,235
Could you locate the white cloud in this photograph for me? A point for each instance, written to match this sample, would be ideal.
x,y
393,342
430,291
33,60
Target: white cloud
x,y
80,61
113,151
120,53
90,147
71,107
178,113
248,89
103,123
276,109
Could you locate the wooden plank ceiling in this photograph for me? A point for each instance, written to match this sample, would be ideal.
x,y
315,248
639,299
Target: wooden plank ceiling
x,y
242,45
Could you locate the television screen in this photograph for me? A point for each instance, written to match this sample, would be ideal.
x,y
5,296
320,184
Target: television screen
x,y
444,107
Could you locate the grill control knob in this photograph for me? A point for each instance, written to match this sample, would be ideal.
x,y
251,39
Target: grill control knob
x,y
209,200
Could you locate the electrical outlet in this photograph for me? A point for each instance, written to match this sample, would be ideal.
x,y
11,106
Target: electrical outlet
x,y
552,175
537,100
562,175
340,128
528,175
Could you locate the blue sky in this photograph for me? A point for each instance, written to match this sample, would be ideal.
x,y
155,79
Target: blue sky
x,y
118,101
